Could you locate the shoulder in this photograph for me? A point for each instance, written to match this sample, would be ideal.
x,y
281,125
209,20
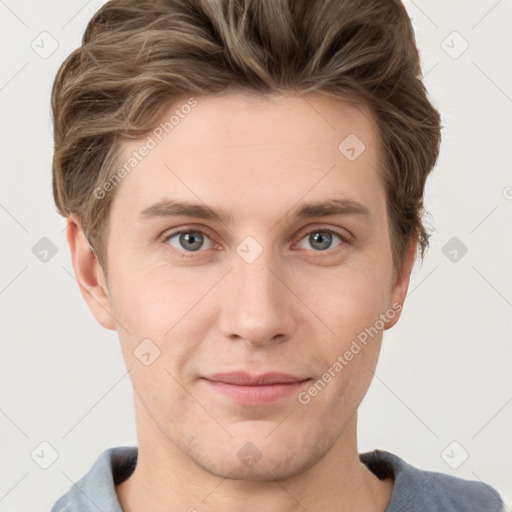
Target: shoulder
x,y
96,489
429,491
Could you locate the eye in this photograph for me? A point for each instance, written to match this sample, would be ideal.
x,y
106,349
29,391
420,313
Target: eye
x,y
321,239
193,240
188,239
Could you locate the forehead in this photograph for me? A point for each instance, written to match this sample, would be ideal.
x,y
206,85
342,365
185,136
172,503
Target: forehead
x,y
240,121
275,148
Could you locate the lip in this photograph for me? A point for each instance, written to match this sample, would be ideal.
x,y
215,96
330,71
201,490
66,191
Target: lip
x,y
247,389
246,379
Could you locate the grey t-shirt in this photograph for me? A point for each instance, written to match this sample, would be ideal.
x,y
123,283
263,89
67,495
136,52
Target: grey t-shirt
x,y
415,490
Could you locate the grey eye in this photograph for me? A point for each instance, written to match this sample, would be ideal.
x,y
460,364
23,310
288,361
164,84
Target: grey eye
x,y
188,240
321,239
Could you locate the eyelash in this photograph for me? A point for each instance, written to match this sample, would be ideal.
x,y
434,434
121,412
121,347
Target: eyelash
x,y
190,254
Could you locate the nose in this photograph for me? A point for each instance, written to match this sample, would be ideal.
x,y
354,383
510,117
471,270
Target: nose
x,y
257,305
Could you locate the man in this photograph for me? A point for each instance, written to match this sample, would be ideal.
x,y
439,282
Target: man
x,y
243,182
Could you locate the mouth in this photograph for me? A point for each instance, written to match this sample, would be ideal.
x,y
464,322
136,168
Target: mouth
x,y
247,389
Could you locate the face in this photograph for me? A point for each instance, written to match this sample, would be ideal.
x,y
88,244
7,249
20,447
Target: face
x,y
250,280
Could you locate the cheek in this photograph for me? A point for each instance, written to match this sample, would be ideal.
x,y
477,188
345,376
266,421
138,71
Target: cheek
x,y
348,301
350,305
152,302
154,312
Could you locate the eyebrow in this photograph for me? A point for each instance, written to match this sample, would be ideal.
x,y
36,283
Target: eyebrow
x,y
172,208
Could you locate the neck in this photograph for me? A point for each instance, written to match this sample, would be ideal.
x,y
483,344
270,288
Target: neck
x,y
167,479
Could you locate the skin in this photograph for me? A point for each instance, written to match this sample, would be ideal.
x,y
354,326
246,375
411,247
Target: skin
x,y
294,309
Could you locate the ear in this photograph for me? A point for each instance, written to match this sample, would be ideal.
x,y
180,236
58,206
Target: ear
x,y
401,281
89,274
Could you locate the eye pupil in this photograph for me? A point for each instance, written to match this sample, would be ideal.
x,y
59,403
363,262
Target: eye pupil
x,y
321,236
188,237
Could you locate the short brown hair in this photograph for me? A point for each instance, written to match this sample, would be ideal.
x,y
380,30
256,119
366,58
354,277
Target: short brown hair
x,y
138,56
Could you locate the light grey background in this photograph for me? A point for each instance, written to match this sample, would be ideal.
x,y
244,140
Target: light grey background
x,y
445,369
